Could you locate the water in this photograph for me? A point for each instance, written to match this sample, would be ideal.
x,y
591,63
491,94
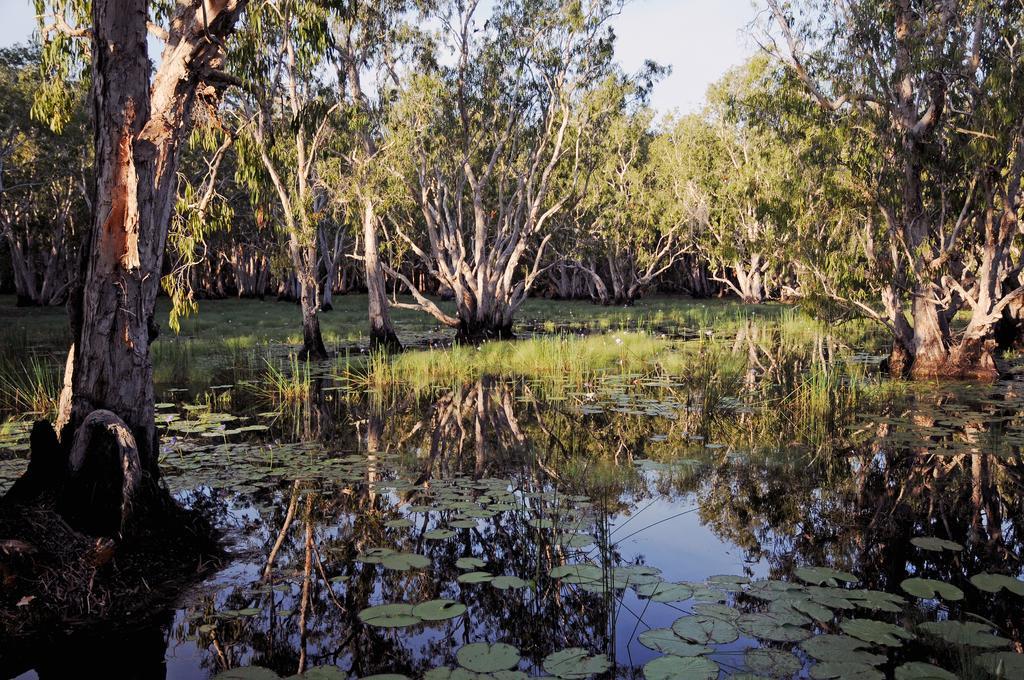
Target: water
x,y
717,488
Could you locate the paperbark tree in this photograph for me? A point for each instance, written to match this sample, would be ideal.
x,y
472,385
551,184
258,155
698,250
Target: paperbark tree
x,y
639,212
140,122
367,35
289,112
931,98
42,178
478,144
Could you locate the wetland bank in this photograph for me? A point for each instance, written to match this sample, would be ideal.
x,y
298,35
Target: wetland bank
x,y
678,490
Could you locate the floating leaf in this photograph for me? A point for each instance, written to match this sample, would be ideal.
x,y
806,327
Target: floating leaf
x,y
702,630
846,671
878,632
993,583
930,589
818,576
840,648
438,610
475,577
681,668
917,670
968,633
389,616
935,544
665,591
467,563
405,561
438,534
772,662
772,626
484,657
664,640
508,582
876,600
716,611
574,663
400,523
1003,664
816,611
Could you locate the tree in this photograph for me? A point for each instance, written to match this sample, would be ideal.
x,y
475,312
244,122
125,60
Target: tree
x,y
288,113
42,182
140,126
928,98
751,185
637,210
477,143
367,35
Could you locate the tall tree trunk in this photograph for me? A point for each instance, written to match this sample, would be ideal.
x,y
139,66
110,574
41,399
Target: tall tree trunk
x,y
382,331
305,263
138,134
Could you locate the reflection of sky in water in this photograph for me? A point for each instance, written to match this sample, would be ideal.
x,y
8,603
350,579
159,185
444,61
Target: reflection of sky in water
x,y
663,529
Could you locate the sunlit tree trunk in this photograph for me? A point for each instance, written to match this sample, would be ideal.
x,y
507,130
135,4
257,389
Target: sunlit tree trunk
x,y
138,136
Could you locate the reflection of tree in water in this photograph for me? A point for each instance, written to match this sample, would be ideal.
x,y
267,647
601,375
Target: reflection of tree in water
x,y
317,530
857,512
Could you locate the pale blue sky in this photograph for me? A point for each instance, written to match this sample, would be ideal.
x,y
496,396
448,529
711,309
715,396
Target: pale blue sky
x,y
700,39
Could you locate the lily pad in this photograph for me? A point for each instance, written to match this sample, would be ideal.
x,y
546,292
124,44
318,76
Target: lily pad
x,y
1003,664
935,544
877,632
841,648
930,589
845,670
993,583
772,662
702,630
575,663
917,670
818,576
438,610
469,563
484,657
508,582
664,640
967,633
681,668
405,561
389,616
772,626
665,592
475,577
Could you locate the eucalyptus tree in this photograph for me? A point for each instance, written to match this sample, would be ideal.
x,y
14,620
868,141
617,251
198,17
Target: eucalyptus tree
x,y
477,142
928,98
639,212
288,113
42,182
141,119
752,178
369,37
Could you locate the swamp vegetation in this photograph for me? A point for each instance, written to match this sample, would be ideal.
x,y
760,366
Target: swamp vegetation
x,y
678,490
763,462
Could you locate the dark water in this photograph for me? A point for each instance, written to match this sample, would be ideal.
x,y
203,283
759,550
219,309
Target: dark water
x,y
774,508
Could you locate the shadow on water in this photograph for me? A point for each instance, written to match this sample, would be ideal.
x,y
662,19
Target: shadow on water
x,y
763,504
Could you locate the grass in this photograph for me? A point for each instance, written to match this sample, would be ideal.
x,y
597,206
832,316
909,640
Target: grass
x,y
286,384
29,386
564,359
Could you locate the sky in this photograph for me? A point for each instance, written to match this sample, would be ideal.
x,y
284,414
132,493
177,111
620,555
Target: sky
x,y
700,39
